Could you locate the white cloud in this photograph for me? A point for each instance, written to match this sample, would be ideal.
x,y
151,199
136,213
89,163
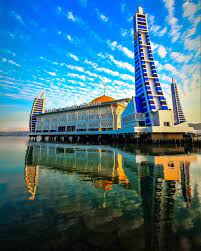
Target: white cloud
x,y
77,68
101,16
193,44
162,51
73,57
92,74
122,65
73,75
162,32
190,32
157,30
123,7
124,32
190,9
13,63
101,55
69,38
172,21
169,67
108,71
196,21
17,17
114,45
94,65
179,57
58,10
71,17
51,73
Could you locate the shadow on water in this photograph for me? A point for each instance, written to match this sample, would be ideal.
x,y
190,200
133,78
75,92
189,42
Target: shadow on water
x,y
110,198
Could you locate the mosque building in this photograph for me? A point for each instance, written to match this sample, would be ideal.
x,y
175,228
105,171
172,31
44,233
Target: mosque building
x,y
147,112
101,114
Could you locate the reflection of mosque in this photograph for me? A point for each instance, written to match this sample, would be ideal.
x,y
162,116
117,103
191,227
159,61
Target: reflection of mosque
x,y
101,167
155,178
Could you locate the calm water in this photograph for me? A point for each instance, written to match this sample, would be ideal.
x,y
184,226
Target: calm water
x,y
84,197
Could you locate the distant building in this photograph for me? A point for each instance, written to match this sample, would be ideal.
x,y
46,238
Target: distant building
x,y
147,86
101,114
177,108
37,108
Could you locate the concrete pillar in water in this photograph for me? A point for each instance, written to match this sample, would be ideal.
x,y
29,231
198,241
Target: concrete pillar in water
x,y
70,138
46,138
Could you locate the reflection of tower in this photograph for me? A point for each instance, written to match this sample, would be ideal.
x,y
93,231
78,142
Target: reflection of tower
x,y
147,184
37,108
185,182
167,214
158,183
157,212
30,173
158,205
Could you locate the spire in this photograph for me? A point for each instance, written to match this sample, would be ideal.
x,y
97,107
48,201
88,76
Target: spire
x,y
140,9
42,94
173,81
104,84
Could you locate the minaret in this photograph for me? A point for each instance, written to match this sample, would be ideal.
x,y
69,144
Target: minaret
x,y
37,108
147,86
177,109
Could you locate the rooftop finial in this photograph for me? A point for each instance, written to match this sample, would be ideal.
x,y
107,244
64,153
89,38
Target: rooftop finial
x,y
104,84
140,10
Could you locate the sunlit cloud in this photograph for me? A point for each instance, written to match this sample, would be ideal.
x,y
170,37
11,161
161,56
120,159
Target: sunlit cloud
x,y
101,16
114,45
70,16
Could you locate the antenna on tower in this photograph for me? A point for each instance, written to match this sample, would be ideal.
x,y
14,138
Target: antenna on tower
x,y
140,9
138,3
104,84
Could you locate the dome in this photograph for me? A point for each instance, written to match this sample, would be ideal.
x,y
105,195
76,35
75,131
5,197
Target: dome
x,y
102,99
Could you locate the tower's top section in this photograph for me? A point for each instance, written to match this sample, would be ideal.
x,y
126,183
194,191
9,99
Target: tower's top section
x,y
173,81
42,94
140,10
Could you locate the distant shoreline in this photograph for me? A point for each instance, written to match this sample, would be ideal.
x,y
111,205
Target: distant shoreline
x,y
16,134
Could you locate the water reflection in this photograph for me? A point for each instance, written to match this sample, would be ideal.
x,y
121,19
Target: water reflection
x,y
157,182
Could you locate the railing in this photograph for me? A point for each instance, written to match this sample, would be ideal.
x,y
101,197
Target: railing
x,y
72,107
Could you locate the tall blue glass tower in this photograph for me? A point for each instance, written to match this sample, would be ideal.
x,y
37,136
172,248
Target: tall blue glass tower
x,y
149,95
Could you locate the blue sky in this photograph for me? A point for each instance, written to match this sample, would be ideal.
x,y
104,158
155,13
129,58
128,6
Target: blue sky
x,y
71,47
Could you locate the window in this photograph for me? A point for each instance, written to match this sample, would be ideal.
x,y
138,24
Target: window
x,y
171,165
70,128
61,129
166,123
141,123
151,102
